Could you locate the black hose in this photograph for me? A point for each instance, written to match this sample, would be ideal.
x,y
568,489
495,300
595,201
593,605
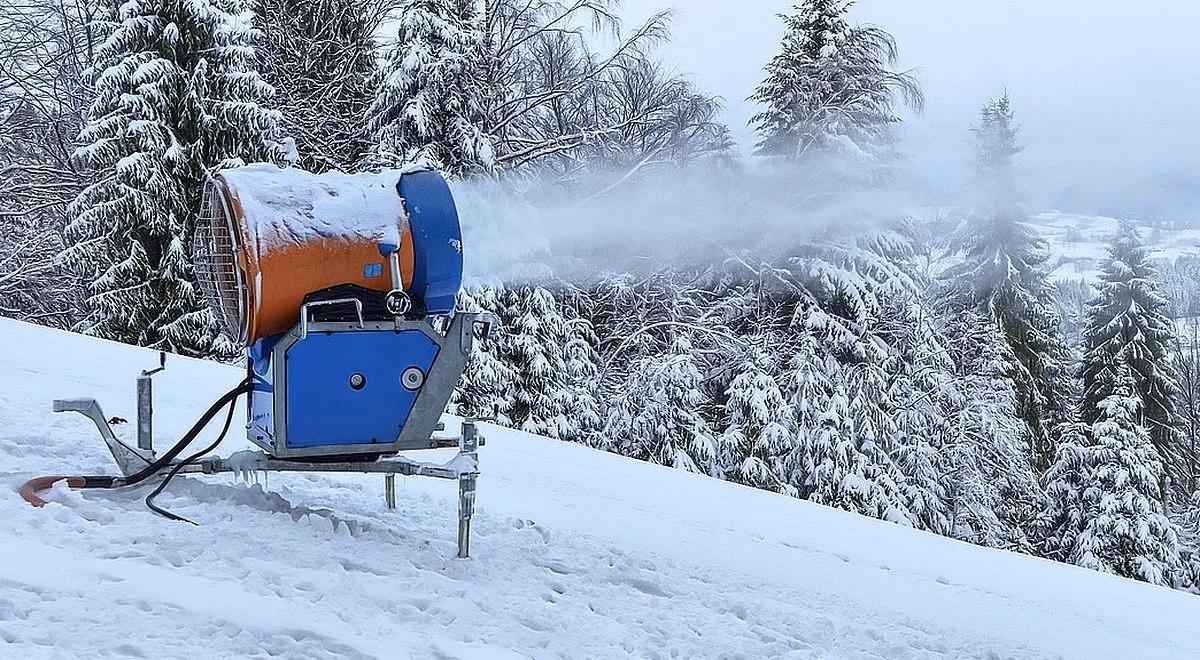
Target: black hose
x,y
180,465
29,490
163,461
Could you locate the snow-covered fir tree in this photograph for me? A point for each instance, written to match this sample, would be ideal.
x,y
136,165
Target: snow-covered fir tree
x,y
1186,365
996,143
176,94
757,439
1124,530
1003,276
1127,328
808,387
655,414
554,366
831,89
1064,481
840,466
427,106
994,494
920,393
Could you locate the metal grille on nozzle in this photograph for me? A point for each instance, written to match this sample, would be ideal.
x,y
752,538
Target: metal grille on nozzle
x,y
214,251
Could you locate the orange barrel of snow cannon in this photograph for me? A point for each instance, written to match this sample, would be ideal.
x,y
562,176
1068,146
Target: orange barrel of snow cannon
x,y
267,236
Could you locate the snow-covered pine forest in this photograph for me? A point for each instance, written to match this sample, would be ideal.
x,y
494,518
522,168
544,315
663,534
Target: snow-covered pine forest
x,y
836,342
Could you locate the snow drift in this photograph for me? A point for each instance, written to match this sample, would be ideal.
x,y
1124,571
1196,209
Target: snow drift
x,y
577,554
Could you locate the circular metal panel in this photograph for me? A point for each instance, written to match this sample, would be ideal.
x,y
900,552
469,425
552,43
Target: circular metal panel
x,y
412,378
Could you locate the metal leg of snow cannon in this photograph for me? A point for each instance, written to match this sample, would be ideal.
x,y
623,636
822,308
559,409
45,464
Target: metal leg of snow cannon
x,y
463,468
468,446
128,459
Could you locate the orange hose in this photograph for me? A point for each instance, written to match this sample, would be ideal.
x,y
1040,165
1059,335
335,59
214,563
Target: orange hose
x,y
30,489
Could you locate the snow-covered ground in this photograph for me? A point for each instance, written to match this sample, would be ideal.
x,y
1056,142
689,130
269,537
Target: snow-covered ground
x,y
1079,243
577,554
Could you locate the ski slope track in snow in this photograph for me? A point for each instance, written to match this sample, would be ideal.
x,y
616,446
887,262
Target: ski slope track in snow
x,y
577,554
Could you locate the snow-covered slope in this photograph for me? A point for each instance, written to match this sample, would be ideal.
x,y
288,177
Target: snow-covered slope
x,y
577,554
1079,243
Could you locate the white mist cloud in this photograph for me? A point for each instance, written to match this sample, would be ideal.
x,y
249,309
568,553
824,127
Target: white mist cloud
x,y
696,217
1107,91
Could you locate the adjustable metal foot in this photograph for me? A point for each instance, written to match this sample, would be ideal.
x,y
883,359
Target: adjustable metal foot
x,y
468,446
466,507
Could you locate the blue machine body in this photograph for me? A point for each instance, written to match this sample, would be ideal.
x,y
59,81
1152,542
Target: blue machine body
x,y
322,407
323,413
319,371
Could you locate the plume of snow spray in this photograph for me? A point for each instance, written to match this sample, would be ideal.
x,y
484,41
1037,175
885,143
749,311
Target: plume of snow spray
x,y
677,218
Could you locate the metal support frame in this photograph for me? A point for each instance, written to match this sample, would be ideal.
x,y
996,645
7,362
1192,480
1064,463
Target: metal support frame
x,y
128,459
468,446
463,468
389,491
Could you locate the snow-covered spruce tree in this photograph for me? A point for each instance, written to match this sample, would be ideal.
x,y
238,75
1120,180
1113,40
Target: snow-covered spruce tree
x,y
176,94
831,90
655,416
920,394
757,440
320,56
994,494
1187,406
914,384
580,395
996,142
427,106
1002,275
1124,529
1127,327
1064,481
839,464
808,388
828,298
554,365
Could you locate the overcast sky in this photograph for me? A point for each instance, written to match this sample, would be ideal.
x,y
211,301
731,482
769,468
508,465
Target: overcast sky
x,y
1098,84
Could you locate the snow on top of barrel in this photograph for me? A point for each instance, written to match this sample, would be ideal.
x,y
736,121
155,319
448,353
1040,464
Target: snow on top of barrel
x,y
289,205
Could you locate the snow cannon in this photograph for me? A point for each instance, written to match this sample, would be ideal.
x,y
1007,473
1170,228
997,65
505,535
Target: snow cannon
x,y
341,289
332,283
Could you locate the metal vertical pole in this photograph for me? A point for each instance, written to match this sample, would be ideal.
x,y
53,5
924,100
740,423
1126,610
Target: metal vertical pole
x,y
145,413
397,280
145,405
394,270
389,490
